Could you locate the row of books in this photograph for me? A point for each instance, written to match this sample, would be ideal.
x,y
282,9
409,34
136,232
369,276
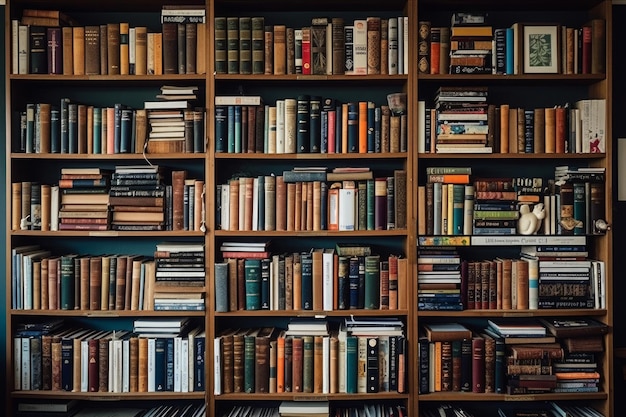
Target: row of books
x,y
317,409
43,280
88,201
86,360
284,203
76,408
446,282
313,362
318,279
78,128
547,408
39,46
578,128
456,204
308,124
329,45
471,48
510,357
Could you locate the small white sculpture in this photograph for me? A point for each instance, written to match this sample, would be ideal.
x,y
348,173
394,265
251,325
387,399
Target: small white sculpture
x,y
530,221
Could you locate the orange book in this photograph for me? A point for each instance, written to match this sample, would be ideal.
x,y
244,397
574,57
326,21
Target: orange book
x,y
124,48
362,126
550,133
403,270
78,50
291,206
110,139
318,277
560,122
281,203
142,365
280,362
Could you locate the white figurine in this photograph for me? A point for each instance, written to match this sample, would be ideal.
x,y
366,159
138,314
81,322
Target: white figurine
x,y
530,221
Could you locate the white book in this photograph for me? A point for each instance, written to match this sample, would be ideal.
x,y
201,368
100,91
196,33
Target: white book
x,y
341,359
84,366
126,365
15,24
360,46
184,365
326,365
329,49
25,355
151,364
255,203
280,126
291,126
468,209
17,363
242,203
22,49
238,100
405,49
217,366
27,268
166,104
401,47
347,206
271,131
54,208
177,363
177,12
328,278
392,50
132,49
437,207
421,121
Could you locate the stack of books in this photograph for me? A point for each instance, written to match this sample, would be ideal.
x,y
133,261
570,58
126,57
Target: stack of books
x,y
137,196
179,264
462,120
495,207
84,199
470,44
439,279
256,250
174,123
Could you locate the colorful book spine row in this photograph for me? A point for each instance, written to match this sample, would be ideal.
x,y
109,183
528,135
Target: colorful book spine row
x,y
270,360
85,360
328,46
117,48
270,203
315,280
75,128
310,124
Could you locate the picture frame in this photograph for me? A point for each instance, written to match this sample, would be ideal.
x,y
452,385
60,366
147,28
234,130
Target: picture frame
x,y
541,49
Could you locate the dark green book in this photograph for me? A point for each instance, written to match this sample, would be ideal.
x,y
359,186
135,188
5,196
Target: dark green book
x,y
307,364
372,282
249,360
371,205
245,45
362,205
252,269
97,130
55,130
258,45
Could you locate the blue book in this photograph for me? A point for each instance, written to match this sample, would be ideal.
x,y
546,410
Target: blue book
x,y
353,282
72,127
160,363
306,265
67,364
221,129
252,268
324,131
198,367
353,127
126,131
510,50
377,130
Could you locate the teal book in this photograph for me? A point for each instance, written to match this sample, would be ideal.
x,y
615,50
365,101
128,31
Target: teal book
x,y
55,130
72,127
221,129
458,201
351,364
64,123
67,282
306,261
221,287
249,361
230,129
252,268
372,282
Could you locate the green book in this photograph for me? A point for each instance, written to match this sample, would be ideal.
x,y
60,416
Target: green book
x,y
252,268
249,360
458,201
372,282
362,206
307,364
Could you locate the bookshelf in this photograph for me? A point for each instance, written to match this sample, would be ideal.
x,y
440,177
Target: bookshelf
x,y
520,89
300,228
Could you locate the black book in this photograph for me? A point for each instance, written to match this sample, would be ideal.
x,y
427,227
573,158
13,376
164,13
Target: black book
x,y
38,50
372,372
303,117
315,126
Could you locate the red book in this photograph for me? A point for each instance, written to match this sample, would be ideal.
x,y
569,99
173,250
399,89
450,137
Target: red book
x,y
561,129
306,50
93,370
585,50
297,363
380,204
478,364
178,205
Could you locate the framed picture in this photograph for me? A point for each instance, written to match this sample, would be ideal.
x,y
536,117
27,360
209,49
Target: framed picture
x,y
541,49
